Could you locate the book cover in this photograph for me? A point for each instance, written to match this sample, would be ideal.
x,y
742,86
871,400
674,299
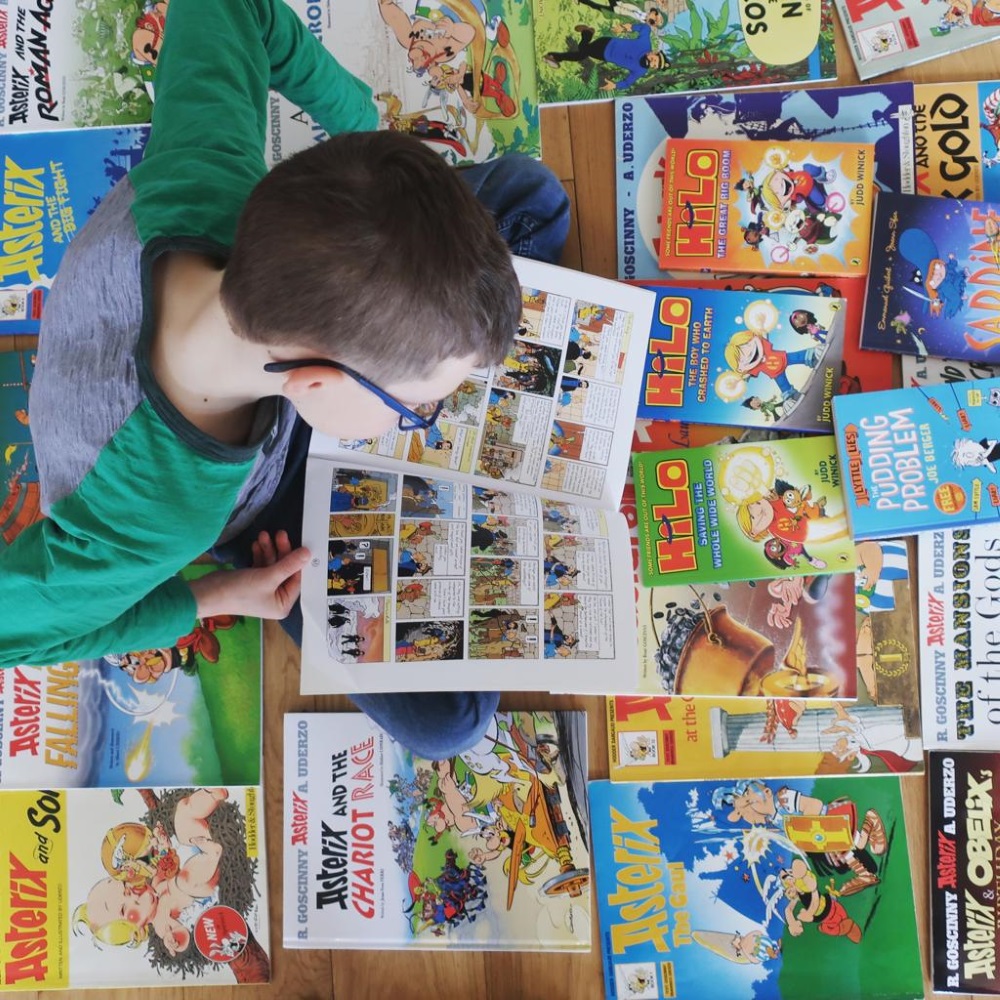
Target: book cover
x,y
748,511
458,74
764,889
53,183
744,358
960,645
861,370
133,887
740,205
920,458
190,713
677,45
962,806
886,35
879,115
935,266
20,498
488,851
956,131
934,371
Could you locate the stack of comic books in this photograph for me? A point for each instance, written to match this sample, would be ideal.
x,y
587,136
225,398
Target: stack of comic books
x,y
487,850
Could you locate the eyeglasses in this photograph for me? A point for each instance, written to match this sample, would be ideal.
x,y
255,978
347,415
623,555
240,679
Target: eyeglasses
x,y
409,419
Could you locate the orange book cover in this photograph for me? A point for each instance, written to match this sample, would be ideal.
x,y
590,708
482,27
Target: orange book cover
x,y
791,207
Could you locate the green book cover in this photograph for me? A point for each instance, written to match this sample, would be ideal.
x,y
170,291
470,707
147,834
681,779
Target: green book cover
x,y
746,511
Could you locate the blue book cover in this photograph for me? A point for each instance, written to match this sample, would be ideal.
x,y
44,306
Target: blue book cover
x,y
744,359
880,115
921,458
754,890
935,270
53,181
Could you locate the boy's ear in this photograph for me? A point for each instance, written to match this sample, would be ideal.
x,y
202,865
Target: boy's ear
x,y
299,382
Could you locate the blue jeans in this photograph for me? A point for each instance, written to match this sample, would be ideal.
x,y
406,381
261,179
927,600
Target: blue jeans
x,y
532,215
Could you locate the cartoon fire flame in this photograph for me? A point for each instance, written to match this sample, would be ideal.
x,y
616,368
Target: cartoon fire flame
x,y
139,760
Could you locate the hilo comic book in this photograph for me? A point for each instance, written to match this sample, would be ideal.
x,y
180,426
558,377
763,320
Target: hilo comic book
x,y
861,371
613,49
963,812
756,889
188,713
747,511
134,887
956,136
959,572
54,181
486,851
935,269
20,497
745,359
879,115
457,74
920,458
886,35
792,207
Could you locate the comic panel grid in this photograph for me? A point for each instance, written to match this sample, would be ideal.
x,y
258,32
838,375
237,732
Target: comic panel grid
x,y
553,401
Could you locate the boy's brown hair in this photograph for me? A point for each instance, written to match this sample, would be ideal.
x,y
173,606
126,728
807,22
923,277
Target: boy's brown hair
x,y
369,249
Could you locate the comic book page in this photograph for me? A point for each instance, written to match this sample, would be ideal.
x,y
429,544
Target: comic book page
x,y
187,863
763,889
555,416
614,49
486,851
457,74
789,207
413,570
880,115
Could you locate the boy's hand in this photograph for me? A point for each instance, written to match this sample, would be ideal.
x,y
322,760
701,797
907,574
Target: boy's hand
x,y
268,590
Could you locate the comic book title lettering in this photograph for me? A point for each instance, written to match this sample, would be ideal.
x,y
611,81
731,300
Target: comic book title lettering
x,y
951,129
27,934
300,819
855,466
698,205
641,896
675,547
894,462
859,9
59,718
628,705
362,830
987,297
40,66
665,363
23,210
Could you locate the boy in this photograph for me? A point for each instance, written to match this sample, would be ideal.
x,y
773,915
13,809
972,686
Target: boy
x,y
182,355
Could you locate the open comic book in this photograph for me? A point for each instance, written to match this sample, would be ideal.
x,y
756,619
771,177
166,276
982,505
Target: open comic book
x,y
492,539
487,851
143,886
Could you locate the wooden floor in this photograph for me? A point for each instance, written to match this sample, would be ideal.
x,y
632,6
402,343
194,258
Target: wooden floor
x,y
578,146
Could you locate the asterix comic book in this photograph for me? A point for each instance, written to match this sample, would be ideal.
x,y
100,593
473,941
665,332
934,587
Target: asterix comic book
x,y
20,498
756,889
742,205
190,712
886,35
920,458
486,851
751,510
54,181
935,267
957,139
959,573
963,811
653,46
861,370
707,358
880,115
134,887
457,74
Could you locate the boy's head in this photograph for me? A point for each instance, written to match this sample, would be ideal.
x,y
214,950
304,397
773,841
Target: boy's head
x,y
370,250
